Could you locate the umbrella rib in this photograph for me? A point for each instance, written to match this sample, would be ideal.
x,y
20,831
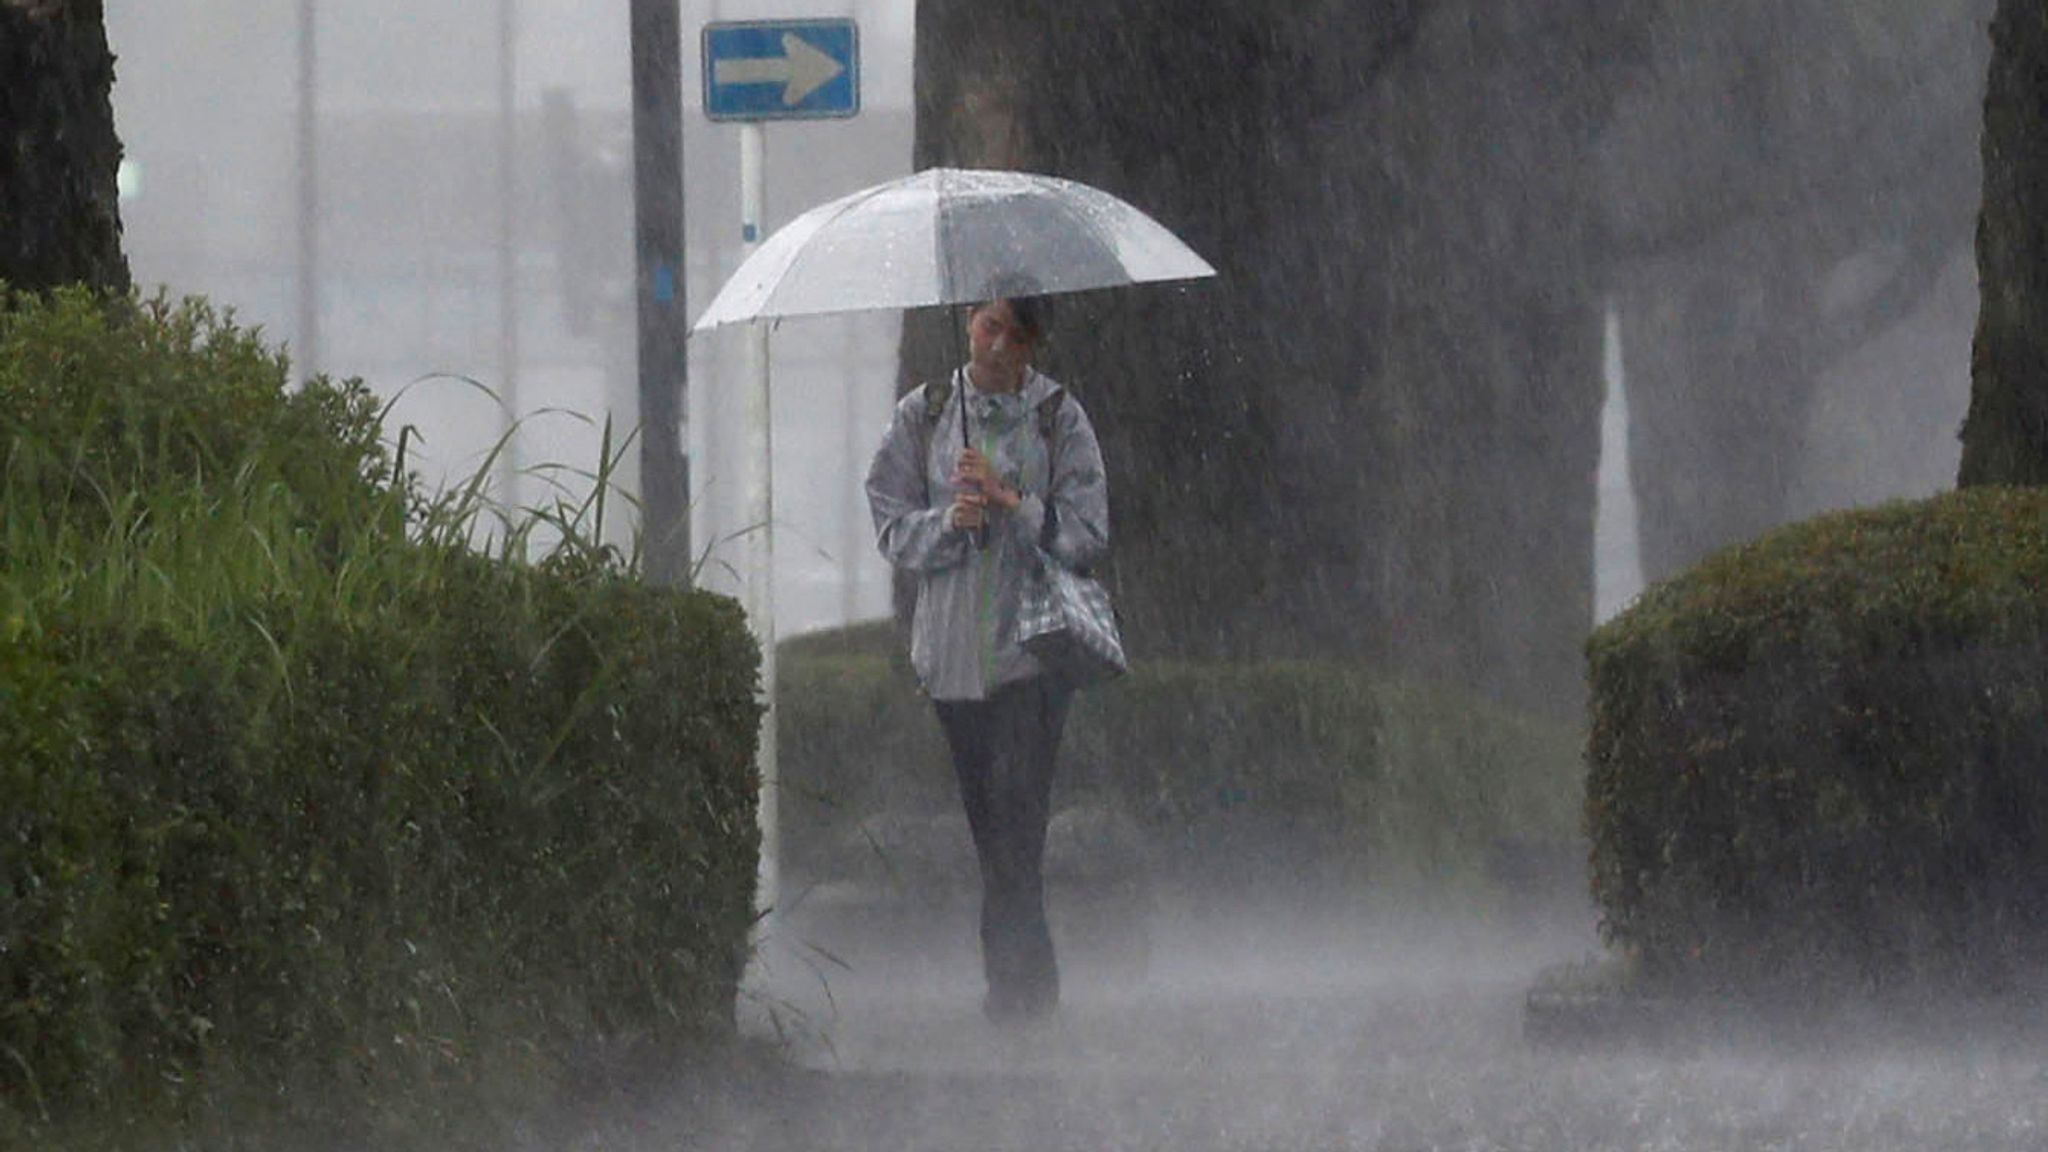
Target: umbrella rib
x,y
831,214
941,242
833,211
1087,223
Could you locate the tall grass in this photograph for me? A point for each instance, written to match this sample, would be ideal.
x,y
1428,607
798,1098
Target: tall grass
x,y
123,503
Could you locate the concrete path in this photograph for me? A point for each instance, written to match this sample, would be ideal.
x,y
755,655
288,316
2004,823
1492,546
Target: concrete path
x,y
1245,1035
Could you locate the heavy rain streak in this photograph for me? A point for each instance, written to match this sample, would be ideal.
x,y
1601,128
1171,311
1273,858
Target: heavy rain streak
x,y
1558,471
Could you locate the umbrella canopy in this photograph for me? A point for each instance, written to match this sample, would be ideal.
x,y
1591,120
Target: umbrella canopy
x,y
944,236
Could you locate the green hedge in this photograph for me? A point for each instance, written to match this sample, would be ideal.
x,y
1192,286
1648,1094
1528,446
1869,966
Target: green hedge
x,y
1820,759
1320,776
314,823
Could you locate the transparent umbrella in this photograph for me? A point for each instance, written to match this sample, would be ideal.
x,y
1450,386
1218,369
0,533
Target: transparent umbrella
x,y
945,236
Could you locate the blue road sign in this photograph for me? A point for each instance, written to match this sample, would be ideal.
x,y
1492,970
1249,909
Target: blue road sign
x,y
781,69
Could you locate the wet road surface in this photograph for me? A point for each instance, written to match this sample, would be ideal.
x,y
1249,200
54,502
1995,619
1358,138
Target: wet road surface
x,y
1268,1037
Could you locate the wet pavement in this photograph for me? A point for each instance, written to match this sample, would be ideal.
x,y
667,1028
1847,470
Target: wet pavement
x,y
1249,1035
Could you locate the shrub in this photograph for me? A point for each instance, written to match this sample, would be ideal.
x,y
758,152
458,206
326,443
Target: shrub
x,y
303,803
132,395
1321,777
1819,758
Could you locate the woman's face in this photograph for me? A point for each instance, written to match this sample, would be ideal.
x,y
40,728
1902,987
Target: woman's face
x,y
997,345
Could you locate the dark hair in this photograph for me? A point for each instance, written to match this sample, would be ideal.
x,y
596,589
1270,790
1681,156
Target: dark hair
x,y
1032,310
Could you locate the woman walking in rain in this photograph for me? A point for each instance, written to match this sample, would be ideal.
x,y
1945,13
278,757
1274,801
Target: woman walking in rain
x,y
976,477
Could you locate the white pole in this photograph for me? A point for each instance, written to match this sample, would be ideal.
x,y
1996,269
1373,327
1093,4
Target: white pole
x,y
306,353
508,245
854,508
760,524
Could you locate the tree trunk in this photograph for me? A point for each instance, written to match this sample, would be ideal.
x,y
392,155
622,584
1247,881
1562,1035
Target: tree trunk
x,y
1718,398
1375,435
2005,438
60,219
1741,181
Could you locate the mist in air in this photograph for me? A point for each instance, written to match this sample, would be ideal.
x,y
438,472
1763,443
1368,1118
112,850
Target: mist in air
x,y
1522,308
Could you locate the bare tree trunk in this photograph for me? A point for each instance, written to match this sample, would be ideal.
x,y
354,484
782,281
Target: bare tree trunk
x,y
2005,439
1375,435
60,218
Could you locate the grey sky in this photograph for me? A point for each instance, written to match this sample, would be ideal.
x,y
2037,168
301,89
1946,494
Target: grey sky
x,y
443,53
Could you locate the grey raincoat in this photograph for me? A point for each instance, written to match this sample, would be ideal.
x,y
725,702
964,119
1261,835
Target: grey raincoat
x,y
963,636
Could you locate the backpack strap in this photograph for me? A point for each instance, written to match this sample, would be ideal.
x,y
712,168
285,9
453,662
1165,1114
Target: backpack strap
x,y
936,394
1049,415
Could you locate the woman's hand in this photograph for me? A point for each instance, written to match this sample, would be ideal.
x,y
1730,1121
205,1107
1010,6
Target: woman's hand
x,y
969,512
974,473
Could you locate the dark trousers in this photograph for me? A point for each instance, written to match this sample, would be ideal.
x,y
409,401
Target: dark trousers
x,y
1003,752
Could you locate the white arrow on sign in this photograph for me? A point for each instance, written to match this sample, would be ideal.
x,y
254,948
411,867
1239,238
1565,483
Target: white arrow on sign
x,y
802,68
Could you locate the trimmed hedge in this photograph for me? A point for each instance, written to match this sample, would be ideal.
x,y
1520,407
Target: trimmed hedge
x,y
1322,777
1820,759
314,823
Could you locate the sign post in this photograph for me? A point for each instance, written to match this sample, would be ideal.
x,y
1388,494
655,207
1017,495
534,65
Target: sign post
x,y
756,71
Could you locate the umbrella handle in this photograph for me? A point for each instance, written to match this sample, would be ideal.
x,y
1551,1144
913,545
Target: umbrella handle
x,y
960,359
966,441
980,534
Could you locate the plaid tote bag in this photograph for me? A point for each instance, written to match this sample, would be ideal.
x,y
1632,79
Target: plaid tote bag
x,y
1065,621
